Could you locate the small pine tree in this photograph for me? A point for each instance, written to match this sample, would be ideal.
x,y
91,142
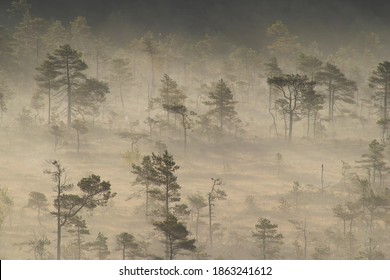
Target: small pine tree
x,y
100,246
176,235
268,237
222,104
127,244
38,201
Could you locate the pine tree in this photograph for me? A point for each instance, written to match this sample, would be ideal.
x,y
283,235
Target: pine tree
x,y
170,96
222,104
268,237
176,235
150,46
38,201
81,128
214,194
339,88
380,82
69,69
374,161
291,87
94,193
78,226
312,102
144,173
120,75
127,244
166,189
46,80
197,202
184,113
272,69
309,65
100,246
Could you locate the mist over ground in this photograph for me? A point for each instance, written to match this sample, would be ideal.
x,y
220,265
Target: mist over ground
x,y
194,130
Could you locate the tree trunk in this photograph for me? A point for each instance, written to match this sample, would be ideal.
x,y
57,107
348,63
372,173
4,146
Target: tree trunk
x,y
59,219
308,123
270,110
69,92
147,201
49,107
185,134
79,243
290,127
210,229
39,216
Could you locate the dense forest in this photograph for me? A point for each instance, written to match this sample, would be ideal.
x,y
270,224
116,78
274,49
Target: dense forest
x,y
173,146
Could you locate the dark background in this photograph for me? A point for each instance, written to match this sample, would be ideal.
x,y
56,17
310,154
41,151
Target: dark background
x,y
243,22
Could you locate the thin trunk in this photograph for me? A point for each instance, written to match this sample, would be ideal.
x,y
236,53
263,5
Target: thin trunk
x,y
147,201
123,253
49,105
79,243
290,127
166,213
308,123
270,110
185,134
210,229
59,219
69,91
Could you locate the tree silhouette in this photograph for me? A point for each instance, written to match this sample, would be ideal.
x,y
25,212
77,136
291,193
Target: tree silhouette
x,y
214,194
268,237
222,104
78,226
46,80
69,68
144,173
38,201
374,161
339,88
121,74
197,202
94,193
380,82
81,128
127,244
100,246
176,234
291,87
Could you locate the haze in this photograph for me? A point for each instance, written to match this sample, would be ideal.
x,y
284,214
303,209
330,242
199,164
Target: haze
x,y
236,130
